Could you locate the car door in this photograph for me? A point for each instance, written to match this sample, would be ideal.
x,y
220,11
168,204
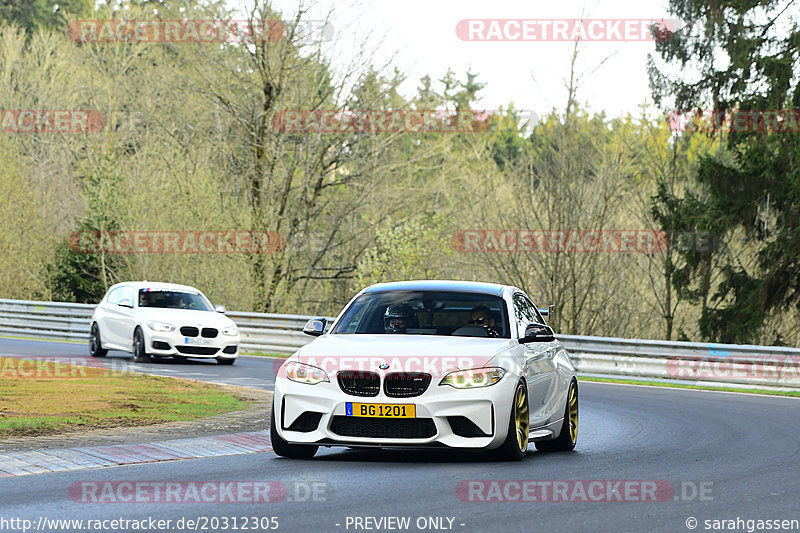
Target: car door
x,y
120,317
106,315
539,367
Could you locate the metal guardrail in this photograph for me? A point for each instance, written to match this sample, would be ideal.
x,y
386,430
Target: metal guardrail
x,y
770,366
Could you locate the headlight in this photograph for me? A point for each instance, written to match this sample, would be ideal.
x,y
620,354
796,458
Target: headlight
x,y
160,326
473,378
303,373
230,330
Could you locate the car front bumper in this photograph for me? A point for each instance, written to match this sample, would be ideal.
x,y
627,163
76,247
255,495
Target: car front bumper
x,y
445,416
174,344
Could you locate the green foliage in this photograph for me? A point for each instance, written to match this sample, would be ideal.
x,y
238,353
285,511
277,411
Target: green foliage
x,y
508,142
189,143
78,276
740,323
33,15
461,93
760,41
404,251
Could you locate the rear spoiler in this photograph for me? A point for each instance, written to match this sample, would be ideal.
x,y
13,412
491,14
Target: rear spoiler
x,y
548,312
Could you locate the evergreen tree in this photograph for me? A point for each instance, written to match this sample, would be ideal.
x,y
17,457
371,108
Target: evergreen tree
x,y
742,56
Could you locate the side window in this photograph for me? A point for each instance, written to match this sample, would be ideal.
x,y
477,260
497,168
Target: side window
x,y
115,296
539,319
128,293
523,314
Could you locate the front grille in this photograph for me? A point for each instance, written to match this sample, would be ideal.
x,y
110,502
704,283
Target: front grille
x,y
230,349
405,384
358,383
160,345
383,428
210,333
305,423
189,331
197,350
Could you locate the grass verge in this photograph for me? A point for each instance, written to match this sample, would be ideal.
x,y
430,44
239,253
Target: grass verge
x,y
45,398
23,338
685,386
266,354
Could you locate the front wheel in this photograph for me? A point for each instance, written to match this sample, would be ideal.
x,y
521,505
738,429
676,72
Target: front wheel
x,y
95,345
283,448
568,437
140,354
516,443
225,360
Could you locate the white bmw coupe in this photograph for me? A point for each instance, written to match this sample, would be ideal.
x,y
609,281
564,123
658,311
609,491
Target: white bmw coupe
x,y
429,364
162,320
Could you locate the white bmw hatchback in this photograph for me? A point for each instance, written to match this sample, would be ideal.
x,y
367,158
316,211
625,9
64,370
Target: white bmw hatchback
x,y
162,320
429,364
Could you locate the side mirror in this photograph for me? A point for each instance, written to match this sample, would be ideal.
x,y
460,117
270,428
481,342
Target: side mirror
x,y
538,333
220,309
315,327
126,303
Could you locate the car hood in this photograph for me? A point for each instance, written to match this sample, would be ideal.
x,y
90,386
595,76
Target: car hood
x,y
436,355
186,317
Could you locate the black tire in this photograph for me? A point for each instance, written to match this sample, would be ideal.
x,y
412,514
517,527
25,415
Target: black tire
x,y
283,448
140,354
568,436
95,344
226,360
516,444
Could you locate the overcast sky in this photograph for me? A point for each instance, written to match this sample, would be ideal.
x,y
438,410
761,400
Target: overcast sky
x,y
532,75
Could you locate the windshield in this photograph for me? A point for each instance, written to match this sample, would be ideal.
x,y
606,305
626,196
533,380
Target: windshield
x,y
173,300
459,314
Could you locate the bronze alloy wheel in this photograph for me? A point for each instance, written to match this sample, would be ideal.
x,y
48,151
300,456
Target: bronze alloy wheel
x,y
568,436
573,413
515,445
521,417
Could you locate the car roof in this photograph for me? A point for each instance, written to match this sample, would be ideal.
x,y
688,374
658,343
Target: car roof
x,y
156,285
439,285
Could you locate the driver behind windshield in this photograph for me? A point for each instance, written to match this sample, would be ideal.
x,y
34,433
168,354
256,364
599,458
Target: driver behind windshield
x,y
397,318
182,301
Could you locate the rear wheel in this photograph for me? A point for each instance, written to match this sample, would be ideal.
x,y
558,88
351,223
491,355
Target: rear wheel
x,y
516,443
283,448
95,345
140,354
568,437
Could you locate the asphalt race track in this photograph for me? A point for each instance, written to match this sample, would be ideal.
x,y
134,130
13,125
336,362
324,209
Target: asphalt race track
x,y
710,456
247,371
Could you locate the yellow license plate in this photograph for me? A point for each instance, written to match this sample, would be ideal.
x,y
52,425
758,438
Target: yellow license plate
x,y
380,410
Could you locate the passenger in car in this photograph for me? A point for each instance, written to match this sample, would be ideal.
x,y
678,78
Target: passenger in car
x,y
482,316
